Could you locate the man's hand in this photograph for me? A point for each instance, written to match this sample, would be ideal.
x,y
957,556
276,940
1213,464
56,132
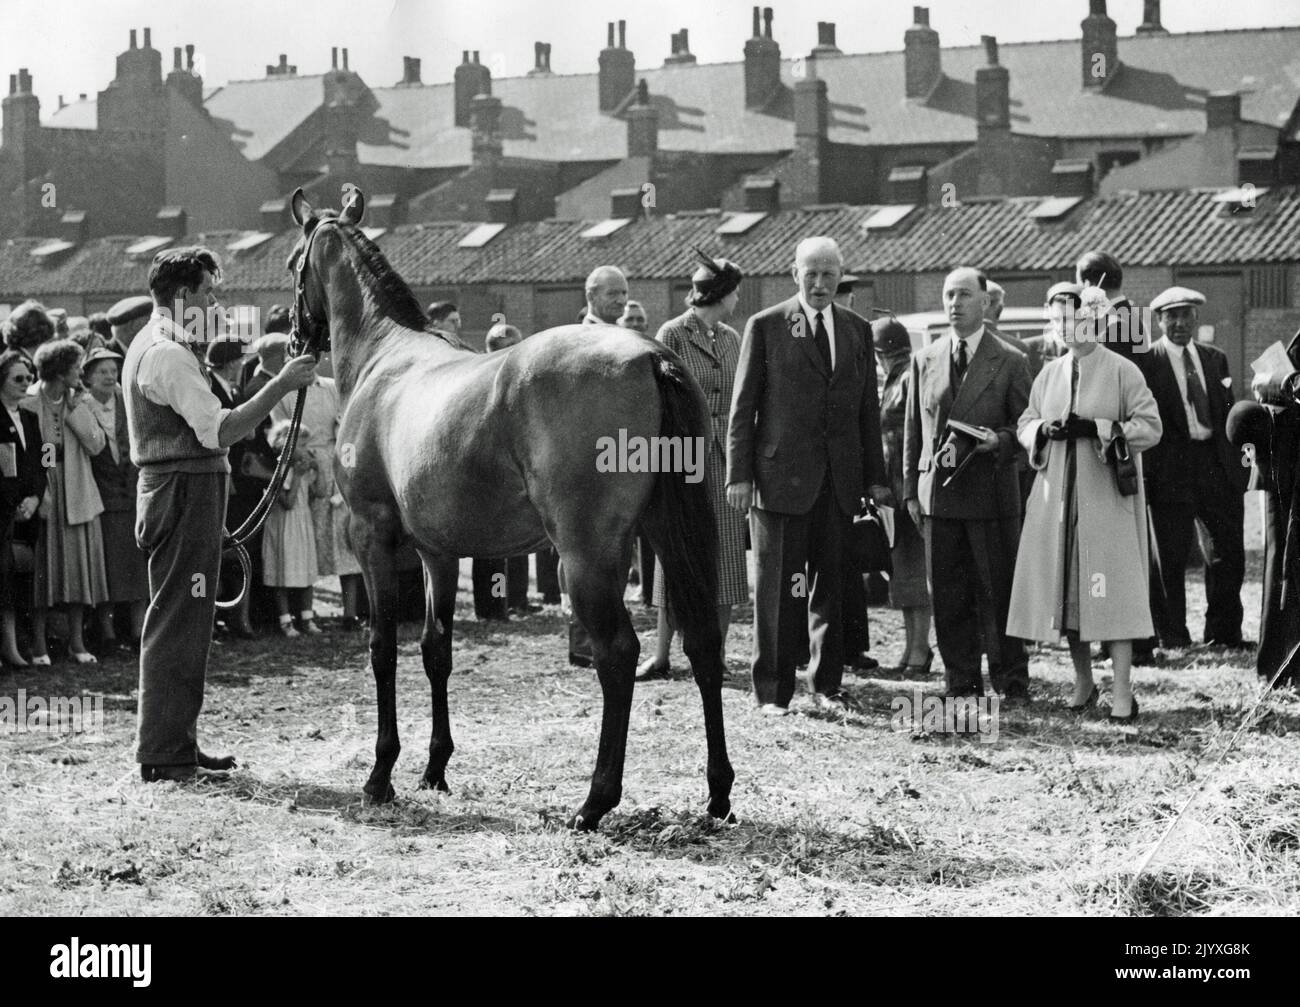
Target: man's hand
x,y
740,495
297,373
882,496
27,507
989,442
914,511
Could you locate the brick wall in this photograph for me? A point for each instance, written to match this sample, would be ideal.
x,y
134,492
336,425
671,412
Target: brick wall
x,y
1143,284
1265,326
928,289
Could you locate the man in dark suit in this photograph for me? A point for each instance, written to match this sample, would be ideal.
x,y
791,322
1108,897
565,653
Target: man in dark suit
x,y
1125,333
803,445
1193,476
963,492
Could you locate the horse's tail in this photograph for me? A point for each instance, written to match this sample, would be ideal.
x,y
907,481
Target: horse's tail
x,y
679,517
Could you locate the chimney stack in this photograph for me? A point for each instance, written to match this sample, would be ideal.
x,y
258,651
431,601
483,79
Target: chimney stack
x,y
1151,19
541,60
471,79
681,49
617,75
762,63
1222,109
826,40
922,69
992,90
642,125
1100,46
185,81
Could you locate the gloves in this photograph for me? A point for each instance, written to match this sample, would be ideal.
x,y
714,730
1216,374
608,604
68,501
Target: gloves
x,y
1076,427
1052,430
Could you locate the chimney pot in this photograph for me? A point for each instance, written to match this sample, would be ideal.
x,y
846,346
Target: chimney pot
x,y
611,36
284,61
62,104
990,49
13,83
176,58
767,22
147,40
476,56
1151,19
334,57
622,34
921,17
189,57
81,96
345,59
758,22
133,38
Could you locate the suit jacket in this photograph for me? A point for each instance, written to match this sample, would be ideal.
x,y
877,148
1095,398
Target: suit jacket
x,y
994,394
1041,351
1168,466
792,422
259,445
31,478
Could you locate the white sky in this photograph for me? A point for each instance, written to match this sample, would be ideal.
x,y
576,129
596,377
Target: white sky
x,y
69,45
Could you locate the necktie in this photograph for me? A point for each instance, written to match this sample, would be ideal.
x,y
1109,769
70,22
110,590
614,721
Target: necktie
x,y
962,362
822,341
1195,390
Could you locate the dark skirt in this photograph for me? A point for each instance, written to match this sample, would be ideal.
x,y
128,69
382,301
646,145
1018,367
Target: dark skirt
x,y
125,562
907,586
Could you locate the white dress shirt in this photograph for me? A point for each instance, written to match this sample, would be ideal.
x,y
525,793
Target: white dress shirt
x,y
169,374
1197,430
16,415
972,343
828,317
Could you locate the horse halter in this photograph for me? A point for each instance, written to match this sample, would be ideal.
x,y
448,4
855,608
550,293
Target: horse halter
x,y
306,333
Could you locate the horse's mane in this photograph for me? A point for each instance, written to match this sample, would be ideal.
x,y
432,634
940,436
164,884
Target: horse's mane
x,y
391,293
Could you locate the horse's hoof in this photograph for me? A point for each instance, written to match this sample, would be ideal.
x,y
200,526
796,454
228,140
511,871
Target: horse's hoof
x,y
439,784
581,824
370,798
721,810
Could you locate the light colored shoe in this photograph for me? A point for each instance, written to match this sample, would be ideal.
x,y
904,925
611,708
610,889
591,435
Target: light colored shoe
x,y
310,628
772,710
85,657
288,632
41,660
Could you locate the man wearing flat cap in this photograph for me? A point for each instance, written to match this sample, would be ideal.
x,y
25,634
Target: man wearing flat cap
x,y
803,449
127,317
1193,476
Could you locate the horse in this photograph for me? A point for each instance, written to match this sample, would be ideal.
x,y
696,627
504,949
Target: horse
x,y
489,455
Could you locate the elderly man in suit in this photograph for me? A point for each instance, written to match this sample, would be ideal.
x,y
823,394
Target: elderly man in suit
x,y
606,291
803,445
962,491
1193,475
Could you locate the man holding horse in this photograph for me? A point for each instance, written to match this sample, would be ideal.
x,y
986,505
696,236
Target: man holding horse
x,y
179,439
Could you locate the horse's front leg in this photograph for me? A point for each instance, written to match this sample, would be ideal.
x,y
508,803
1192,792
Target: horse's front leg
x,y
435,646
598,603
379,564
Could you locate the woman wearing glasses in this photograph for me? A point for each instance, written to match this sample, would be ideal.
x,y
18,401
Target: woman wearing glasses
x,y
22,484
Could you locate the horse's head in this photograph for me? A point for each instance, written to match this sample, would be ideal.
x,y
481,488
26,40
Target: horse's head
x,y
309,316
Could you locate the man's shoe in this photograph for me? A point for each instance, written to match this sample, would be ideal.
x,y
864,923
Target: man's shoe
x,y
863,662
837,702
219,764
772,710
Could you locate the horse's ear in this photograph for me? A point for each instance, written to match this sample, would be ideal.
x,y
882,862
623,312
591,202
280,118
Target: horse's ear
x,y
301,209
354,204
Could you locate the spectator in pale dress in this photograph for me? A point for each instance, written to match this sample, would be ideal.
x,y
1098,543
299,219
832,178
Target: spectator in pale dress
x,y
125,563
70,547
288,540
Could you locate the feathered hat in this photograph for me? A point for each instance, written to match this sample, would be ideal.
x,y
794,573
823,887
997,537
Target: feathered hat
x,y
713,280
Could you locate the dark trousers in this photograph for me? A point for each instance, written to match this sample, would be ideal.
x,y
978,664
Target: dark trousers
x,y
971,565
499,585
179,518
800,558
1219,512
548,576
857,633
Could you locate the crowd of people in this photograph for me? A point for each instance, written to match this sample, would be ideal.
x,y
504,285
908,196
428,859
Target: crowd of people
x,y
1044,489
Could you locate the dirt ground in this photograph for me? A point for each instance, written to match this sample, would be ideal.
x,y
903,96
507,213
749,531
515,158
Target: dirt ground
x,y
836,816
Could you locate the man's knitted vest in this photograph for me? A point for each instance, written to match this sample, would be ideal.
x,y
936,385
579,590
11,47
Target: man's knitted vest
x,y
161,440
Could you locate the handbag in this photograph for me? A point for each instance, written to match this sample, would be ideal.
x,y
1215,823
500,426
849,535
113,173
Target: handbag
x,y
1123,465
869,543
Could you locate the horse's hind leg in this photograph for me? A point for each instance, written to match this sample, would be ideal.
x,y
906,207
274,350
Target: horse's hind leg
x,y
597,595
703,645
375,541
435,645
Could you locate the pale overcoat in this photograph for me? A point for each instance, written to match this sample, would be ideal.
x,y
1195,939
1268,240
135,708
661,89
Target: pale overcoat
x,y
1112,564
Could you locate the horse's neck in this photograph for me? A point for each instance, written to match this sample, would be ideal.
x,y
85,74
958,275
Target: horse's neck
x,y
374,339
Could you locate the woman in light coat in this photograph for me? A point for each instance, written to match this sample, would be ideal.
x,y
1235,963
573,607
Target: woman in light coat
x,y
1081,571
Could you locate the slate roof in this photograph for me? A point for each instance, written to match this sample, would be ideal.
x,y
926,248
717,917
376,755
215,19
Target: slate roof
x,y
1159,91
1141,229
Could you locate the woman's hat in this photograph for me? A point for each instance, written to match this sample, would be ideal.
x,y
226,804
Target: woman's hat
x,y
98,354
714,280
889,335
1065,289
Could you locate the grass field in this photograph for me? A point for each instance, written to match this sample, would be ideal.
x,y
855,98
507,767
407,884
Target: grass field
x,y
836,816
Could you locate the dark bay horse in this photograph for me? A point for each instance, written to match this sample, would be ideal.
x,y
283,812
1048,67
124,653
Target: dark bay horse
x,y
467,454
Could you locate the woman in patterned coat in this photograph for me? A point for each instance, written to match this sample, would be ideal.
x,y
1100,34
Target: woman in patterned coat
x,y
710,350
